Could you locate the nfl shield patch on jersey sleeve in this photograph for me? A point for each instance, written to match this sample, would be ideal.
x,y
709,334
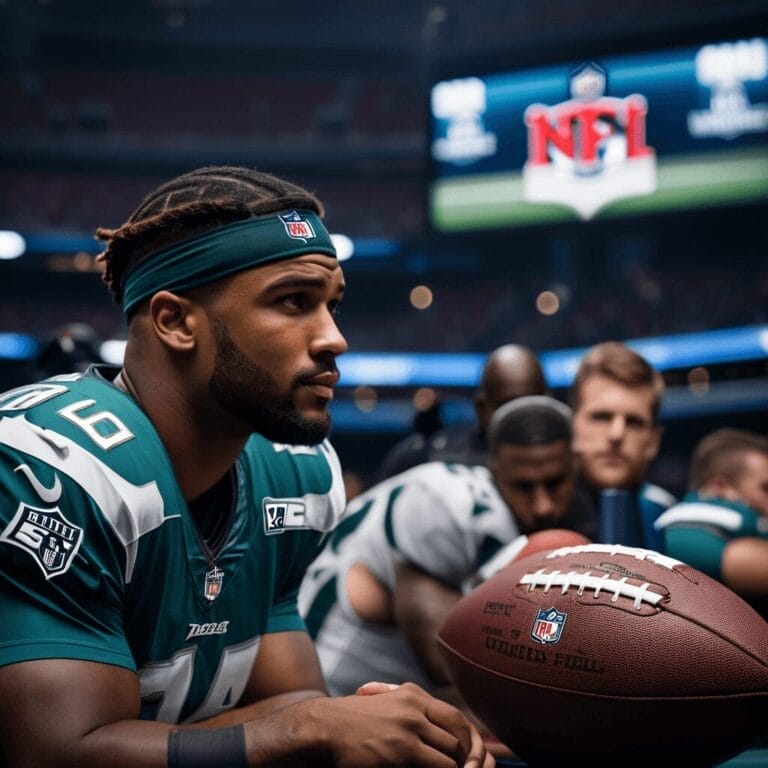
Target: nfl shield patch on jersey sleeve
x,y
47,535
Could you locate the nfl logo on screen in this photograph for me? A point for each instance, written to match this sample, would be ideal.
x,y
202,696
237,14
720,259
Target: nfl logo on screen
x,y
590,150
548,625
296,227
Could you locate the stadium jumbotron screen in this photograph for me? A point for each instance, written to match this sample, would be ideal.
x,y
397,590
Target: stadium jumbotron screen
x,y
597,137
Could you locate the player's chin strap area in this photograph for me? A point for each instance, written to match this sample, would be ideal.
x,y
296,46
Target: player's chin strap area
x,y
225,251
222,747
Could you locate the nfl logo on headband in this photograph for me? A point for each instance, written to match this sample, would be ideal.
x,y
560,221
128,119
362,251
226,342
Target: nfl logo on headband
x,y
297,227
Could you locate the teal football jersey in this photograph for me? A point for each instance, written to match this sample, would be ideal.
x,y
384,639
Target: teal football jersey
x,y
652,500
699,528
100,559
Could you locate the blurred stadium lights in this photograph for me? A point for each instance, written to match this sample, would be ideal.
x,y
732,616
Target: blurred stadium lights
x,y
368,411
42,243
388,416
12,245
18,346
345,247
376,247
112,351
463,370
425,369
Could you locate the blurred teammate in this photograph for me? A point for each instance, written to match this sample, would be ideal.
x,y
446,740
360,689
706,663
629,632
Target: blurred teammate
x,y
616,397
153,537
510,371
721,526
70,349
396,565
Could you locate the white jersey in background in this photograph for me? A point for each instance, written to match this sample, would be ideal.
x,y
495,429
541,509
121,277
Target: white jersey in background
x,y
446,519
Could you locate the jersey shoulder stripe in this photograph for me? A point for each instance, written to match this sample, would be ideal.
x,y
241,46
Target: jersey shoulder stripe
x,y
698,513
95,435
657,495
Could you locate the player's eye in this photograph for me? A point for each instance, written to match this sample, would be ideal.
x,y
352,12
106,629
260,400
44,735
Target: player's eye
x,y
523,486
294,300
554,483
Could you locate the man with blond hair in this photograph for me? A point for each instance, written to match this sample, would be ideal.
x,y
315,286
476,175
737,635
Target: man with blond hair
x,y
616,398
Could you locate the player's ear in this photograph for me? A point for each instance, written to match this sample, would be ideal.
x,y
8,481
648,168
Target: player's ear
x,y
175,320
722,487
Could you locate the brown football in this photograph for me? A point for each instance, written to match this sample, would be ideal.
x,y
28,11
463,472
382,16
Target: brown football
x,y
609,651
550,538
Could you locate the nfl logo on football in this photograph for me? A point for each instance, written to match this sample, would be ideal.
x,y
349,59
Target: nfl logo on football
x,y
548,626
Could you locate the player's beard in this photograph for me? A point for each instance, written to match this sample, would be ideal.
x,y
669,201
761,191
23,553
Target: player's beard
x,y
251,394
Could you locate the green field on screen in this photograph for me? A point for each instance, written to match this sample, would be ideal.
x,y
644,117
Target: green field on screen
x,y
496,200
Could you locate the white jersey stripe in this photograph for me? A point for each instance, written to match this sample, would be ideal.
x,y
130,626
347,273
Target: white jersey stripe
x,y
132,510
729,519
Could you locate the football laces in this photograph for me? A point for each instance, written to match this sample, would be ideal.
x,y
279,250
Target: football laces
x,y
586,581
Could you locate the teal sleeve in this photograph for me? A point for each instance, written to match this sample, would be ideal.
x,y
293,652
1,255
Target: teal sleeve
x,y
284,615
702,549
60,596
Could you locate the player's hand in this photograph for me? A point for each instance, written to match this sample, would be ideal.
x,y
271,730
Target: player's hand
x,y
493,746
386,725
371,689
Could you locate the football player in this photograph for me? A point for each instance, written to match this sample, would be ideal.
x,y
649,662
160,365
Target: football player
x,y
721,526
510,371
412,545
156,521
616,396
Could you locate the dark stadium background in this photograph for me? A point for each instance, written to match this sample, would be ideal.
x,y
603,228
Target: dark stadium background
x,y
101,101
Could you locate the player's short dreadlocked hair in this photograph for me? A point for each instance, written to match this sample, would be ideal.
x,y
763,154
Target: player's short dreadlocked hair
x,y
190,204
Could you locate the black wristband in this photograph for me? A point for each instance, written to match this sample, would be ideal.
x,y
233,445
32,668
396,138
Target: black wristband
x,y
217,748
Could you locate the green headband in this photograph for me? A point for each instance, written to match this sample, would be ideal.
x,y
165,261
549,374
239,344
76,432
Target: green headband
x,y
224,251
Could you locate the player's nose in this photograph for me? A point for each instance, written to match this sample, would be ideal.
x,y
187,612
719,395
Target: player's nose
x,y
327,337
617,427
542,502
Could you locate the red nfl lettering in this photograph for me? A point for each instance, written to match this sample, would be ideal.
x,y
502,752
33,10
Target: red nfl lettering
x,y
548,625
298,229
577,128
545,630
637,108
541,133
590,150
